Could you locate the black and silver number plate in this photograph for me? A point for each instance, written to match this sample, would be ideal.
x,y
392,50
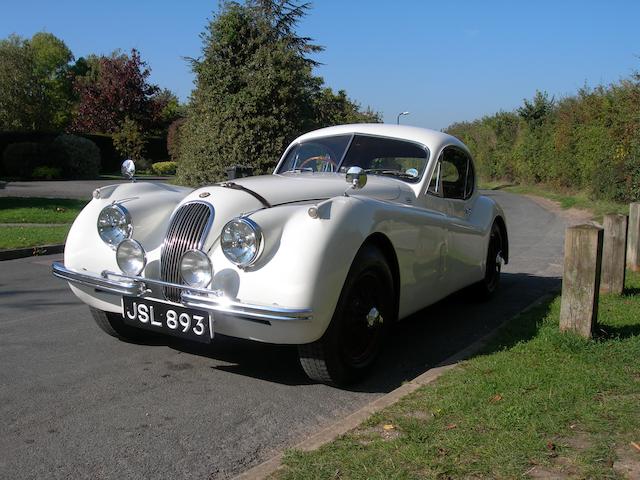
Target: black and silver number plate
x,y
168,318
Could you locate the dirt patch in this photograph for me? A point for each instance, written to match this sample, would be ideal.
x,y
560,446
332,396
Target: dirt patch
x,y
627,465
418,415
574,216
548,473
384,431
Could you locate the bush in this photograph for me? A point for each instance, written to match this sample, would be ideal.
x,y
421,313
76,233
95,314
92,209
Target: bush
x,y
164,168
46,173
20,159
78,157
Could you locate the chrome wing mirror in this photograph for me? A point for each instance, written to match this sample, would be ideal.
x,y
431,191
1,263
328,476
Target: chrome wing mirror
x,y
356,177
128,169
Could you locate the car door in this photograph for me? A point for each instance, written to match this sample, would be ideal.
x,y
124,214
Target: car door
x,y
464,233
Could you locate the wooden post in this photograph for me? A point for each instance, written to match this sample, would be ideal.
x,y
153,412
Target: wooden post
x,y
614,254
633,244
581,279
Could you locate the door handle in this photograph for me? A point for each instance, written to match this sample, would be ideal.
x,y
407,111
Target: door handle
x,y
467,211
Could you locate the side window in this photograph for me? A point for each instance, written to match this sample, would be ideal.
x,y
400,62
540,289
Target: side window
x,y
457,174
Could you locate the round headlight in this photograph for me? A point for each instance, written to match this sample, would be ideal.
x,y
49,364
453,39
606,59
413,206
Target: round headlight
x,y
131,257
196,269
114,225
241,240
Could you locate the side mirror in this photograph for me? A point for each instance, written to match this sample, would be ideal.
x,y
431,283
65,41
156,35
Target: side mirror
x,y
128,169
356,177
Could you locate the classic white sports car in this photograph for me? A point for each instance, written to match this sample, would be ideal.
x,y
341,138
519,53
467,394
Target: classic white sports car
x,y
297,257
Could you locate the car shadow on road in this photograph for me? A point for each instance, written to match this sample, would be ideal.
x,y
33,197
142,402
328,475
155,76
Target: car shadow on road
x,y
418,343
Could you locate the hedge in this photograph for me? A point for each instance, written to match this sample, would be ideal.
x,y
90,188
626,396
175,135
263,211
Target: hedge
x,y
156,147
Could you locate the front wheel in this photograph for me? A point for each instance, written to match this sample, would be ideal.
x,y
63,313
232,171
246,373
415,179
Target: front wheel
x,y
365,311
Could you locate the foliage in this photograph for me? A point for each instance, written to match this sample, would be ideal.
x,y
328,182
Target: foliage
x,y
255,91
45,172
116,88
22,96
174,137
128,140
35,85
78,157
589,141
20,159
164,168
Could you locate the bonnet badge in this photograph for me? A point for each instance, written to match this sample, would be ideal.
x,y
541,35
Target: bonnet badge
x,y
204,194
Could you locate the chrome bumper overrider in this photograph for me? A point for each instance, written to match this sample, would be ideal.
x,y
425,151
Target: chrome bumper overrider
x,y
211,300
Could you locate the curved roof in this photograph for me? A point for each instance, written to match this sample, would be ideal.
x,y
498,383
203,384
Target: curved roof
x,y
430,138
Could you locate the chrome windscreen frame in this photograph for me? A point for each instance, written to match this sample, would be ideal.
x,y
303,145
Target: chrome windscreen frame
x,y
201,298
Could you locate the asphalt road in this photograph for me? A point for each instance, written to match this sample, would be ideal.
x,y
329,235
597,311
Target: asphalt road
x,y
81,189
76,403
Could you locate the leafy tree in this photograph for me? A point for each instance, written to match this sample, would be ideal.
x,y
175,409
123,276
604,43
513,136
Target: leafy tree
x,y
255,91
535,112
22,96
116,88
51,62
128,140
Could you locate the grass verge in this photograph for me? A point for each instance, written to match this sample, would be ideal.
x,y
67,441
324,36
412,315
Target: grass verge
x,y
536,403
566,199
39,210
23,237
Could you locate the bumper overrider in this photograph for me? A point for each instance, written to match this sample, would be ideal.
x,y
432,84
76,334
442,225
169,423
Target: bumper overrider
x,y
204,299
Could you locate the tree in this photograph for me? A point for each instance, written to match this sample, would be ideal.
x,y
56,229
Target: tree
x,y
51,59
255,91
116,88
336,108
536,112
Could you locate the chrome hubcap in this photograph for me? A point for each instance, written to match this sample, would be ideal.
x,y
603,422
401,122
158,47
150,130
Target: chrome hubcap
x,y
374,317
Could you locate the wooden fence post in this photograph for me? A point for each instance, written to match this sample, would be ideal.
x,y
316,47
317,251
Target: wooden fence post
x,y
614,254
581,279
633,244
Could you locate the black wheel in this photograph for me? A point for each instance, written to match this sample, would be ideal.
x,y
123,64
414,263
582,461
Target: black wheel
x,y
489,284
112,324
365,311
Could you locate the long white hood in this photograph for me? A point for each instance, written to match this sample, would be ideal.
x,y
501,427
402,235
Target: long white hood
x,y
293,187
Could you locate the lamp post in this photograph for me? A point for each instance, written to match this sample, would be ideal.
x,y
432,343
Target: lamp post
x,y
399,115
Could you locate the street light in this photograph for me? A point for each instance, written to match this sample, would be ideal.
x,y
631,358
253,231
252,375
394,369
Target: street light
x,y
401,114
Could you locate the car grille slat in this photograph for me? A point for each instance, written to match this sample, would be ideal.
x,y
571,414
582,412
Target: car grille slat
x,y
188,229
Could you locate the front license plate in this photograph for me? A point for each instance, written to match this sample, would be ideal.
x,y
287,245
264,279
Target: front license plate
x,y
168,318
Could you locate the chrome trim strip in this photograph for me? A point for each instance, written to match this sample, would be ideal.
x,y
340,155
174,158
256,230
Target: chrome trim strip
x,y
212,300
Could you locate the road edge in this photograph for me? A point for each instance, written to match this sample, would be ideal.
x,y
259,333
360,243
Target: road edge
x,y
350,422
31,251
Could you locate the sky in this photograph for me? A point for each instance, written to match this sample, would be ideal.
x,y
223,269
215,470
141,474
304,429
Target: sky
x,y
443,61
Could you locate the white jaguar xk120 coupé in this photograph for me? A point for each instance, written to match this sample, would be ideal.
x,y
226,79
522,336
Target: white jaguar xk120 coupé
x,y
297,257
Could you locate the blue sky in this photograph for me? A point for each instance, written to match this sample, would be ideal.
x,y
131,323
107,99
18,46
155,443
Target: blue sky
x,y
443,61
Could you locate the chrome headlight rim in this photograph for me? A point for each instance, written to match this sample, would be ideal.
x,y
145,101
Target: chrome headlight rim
x,y
137,245
209,269
128,231
259,241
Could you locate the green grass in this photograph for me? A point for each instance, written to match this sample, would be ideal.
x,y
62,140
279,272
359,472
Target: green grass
x,y
39,210
22,237
566,199
535,398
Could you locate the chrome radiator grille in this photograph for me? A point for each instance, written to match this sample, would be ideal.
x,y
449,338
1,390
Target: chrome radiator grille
x,y
187,230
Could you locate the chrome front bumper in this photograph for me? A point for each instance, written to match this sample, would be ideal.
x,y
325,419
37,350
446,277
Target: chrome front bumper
x,y
211,300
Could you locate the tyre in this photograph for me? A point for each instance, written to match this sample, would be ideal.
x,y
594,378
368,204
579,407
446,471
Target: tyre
x,y
489,284
365,311
112,324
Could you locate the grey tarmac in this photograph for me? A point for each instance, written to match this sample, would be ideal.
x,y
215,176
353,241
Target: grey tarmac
x,y
76,403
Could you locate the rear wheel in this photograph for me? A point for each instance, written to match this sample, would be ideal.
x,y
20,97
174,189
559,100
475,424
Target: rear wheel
x,y
113,324
366,308
489,284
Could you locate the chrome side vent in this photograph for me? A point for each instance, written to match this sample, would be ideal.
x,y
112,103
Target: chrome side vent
x,y
188,229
